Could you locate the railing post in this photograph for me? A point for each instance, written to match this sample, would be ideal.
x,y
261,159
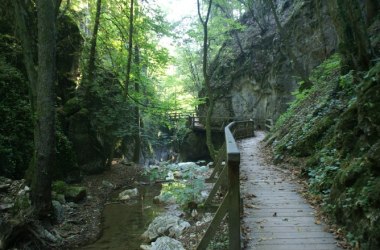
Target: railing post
x,y
231,203
234,205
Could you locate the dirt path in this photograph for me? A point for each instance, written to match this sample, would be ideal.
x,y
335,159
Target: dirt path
x,y
276,217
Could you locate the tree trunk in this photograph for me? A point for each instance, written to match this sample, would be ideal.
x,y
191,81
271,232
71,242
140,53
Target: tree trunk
x,y
91,60
206,76
297,66
23,20
137,138
130,45
45,109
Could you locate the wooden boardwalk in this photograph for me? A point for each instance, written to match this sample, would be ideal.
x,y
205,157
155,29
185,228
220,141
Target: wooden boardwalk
x,y
276,217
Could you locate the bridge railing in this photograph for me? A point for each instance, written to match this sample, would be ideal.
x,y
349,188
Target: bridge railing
x,y
269,124
231,202
217,123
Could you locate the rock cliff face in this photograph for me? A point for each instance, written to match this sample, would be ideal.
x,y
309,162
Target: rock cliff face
x,y
253,76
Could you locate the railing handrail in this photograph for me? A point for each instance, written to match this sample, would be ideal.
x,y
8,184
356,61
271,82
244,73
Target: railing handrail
x,y
233,153
231,202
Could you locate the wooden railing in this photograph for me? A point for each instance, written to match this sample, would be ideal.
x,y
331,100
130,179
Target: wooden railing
x,y
230,154
217,123
269,124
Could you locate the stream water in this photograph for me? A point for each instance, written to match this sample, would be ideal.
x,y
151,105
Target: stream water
x,y
123,223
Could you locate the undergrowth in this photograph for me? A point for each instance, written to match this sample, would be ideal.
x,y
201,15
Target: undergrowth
x,y
336,126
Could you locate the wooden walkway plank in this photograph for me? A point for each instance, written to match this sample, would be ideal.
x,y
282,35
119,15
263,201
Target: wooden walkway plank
x,y
275,216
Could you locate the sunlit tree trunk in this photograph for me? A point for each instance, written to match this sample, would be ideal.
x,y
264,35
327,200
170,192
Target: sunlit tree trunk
x,y
210,97
130,47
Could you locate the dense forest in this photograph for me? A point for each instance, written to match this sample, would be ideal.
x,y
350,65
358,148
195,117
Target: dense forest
x,y
88,84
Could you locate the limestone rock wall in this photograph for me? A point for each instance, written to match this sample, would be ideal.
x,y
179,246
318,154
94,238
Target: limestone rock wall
x,y
257,82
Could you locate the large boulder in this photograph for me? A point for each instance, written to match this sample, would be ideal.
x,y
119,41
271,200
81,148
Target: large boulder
x,y
167,243
85,143
71,193
166,225
194,148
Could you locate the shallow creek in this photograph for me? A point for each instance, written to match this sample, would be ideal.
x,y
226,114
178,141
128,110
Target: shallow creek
x,y
123,223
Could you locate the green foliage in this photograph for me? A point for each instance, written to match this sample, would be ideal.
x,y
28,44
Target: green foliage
x,y
323,76
59,187
346,81
109,110
70,192
336,125
66,162
183,192
21,205
16,127
155,174
321,178
220,241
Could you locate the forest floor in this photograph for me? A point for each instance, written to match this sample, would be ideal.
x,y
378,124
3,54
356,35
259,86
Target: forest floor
x,y
83,225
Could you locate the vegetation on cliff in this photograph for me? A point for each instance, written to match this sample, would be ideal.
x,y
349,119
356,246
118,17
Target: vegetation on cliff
x,y
334,126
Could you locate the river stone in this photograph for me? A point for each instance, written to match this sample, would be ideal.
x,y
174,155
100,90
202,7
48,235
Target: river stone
x,y
59,211
164,199
167,243
108,184
165,225
145,247
127,194
184,166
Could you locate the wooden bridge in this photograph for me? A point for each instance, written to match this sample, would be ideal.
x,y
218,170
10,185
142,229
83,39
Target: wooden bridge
x,y
274,216
218,123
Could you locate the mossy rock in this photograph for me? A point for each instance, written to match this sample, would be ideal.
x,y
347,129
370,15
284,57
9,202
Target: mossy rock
x,y
75,194
70,192
72,106
59,187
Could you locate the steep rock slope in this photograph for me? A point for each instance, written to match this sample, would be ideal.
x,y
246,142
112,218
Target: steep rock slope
x,y
335,128
256,80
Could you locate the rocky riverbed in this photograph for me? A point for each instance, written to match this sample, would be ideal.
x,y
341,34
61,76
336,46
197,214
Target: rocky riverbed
x,y
79,208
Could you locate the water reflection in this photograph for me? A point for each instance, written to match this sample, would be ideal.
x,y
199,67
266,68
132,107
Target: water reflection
x,y
123,223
